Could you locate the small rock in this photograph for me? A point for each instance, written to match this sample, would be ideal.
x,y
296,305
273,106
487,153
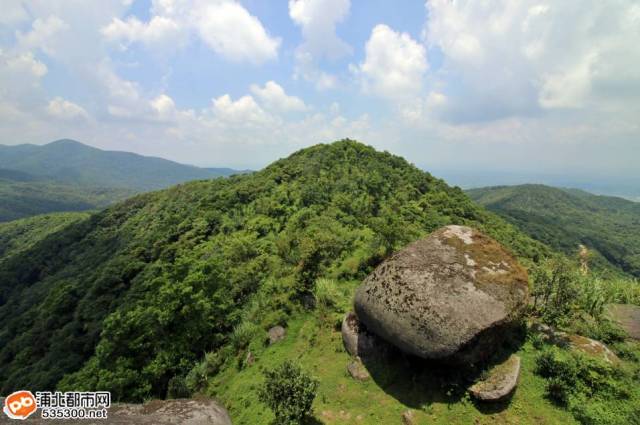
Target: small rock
x,y
500,382
276,334
409,418
357,370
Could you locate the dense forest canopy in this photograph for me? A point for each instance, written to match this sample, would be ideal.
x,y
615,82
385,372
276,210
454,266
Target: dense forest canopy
x,y
567,218
133,295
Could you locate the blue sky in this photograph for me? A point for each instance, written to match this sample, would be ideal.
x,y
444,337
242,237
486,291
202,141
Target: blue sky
x,y
524,88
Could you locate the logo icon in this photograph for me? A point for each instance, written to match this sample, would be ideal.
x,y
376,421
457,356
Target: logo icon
x,y
20,405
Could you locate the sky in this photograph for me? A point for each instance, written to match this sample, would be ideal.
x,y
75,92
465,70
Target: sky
x,y
477,88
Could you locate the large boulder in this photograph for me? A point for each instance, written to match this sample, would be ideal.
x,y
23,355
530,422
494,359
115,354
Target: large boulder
x,y
448,296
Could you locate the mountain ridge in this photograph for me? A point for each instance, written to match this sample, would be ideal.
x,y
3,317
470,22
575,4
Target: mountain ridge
x,y
72,162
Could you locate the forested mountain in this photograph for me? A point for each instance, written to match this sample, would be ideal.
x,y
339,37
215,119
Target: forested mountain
x,y
132,296
69,176
70,162
566,218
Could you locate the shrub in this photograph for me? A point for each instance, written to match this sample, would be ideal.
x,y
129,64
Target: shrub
x,y
555,290
594,391
177,388
326,294
243,334
289,392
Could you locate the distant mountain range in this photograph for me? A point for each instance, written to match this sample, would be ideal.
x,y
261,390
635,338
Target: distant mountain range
x,y
566,218
66,175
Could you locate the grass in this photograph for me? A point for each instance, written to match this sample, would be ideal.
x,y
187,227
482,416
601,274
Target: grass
x,y
395,387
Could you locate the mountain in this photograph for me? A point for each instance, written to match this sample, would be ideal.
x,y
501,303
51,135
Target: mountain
x,y
131,297
567,218
69,176
70,162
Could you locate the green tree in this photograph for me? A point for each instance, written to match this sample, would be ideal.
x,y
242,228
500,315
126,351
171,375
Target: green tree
x,y
289,393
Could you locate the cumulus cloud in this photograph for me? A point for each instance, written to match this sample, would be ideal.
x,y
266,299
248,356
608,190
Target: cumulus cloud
x,y
318,20
66,110
42,34
223,25
244,110
505,58
274,97
159,30
394,64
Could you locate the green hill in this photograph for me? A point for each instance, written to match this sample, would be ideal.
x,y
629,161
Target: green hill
x,y
135,294
566,218
70,162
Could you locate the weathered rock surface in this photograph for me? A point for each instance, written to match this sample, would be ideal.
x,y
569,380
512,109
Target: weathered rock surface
x,y
276,334
356,339
357,370
448,296
156,412
576,342
627,316
500,382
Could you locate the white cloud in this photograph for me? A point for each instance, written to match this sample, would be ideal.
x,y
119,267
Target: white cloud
x,y
42,34
394,64
230,30
22,64
223,25
66,110
518,58
158,30
318,20
244,110
164,106
274,97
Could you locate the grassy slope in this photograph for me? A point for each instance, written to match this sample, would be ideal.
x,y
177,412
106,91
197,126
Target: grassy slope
x,y
563,219
20,235
381,400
